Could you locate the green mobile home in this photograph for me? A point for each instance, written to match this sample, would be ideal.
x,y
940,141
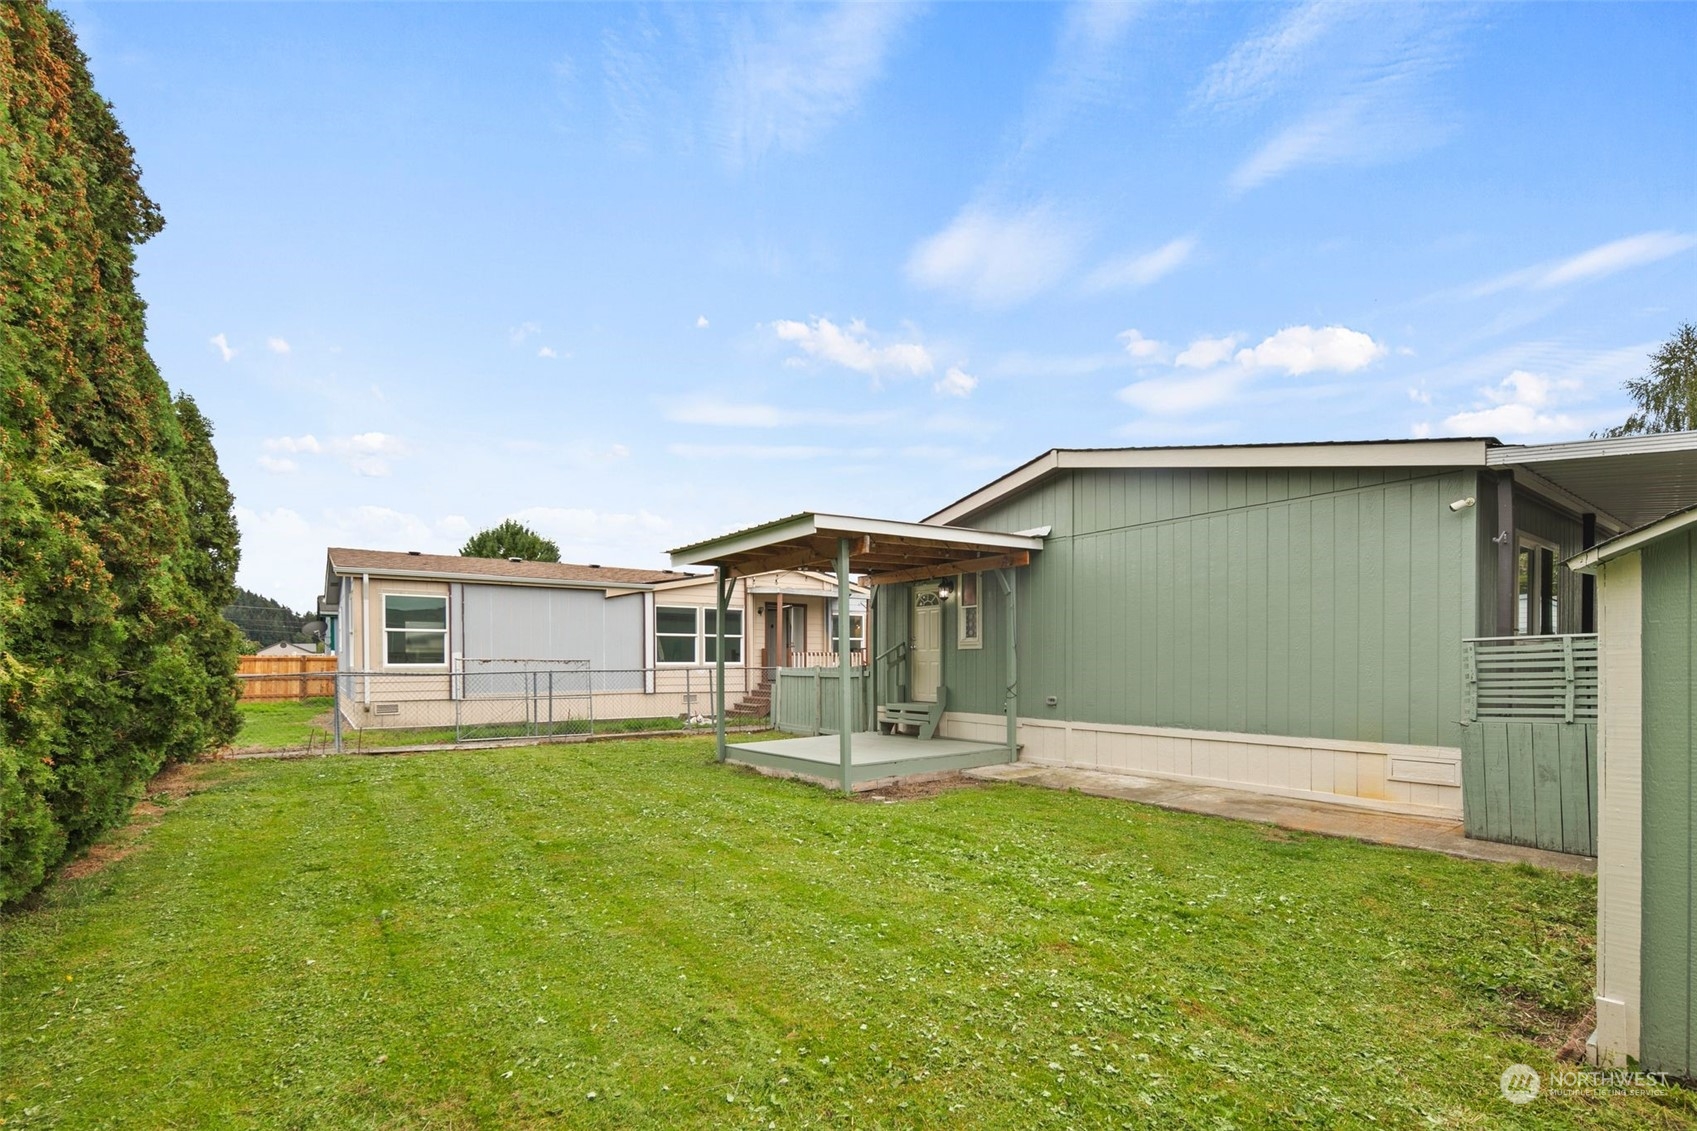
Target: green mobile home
x,y
1383,624
1646,891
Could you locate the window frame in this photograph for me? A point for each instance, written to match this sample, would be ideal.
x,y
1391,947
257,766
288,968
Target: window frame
x,y
1546,587
441,664
859,614
694,636
708,637
962,640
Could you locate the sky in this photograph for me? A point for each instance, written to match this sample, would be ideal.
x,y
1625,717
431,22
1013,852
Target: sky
x,y
640,275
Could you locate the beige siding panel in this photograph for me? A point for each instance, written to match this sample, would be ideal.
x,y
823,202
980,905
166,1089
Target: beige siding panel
x,y
1619,806
1316,769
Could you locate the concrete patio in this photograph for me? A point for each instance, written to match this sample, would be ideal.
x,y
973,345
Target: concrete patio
x,y
876,758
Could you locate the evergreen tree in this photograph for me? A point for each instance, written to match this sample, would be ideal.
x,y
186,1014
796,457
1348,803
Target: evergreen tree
x,y
116,544
263,621
1667,394
511,540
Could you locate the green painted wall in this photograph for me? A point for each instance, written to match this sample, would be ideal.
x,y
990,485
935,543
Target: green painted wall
x,y
1317,603
1669,1018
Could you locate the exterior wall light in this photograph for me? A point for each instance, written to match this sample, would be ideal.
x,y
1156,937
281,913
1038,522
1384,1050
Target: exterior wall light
x,y
1462,504
945,589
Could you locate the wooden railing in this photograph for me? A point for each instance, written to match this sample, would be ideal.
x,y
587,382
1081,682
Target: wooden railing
x,y
1532,677
794,658
808,700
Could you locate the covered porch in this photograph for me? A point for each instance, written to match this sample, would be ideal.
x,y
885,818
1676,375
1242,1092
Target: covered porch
x,y
884,552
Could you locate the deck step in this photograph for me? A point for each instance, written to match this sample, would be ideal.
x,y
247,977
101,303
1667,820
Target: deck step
x,y
924,717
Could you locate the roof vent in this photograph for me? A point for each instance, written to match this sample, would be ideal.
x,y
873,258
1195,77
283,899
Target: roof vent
x,y
515,558
594,565
414,553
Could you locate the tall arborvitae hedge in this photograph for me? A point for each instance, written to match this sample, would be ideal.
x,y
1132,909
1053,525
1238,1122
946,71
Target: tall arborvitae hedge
x,y
116,542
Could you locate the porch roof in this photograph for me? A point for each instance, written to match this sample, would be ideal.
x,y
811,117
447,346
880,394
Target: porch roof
x,y
1633,479
884,550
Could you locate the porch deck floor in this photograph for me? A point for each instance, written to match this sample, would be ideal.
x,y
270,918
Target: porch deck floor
x,y
874,756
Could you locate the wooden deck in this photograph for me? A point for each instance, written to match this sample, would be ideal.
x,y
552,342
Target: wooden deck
x,y
876,757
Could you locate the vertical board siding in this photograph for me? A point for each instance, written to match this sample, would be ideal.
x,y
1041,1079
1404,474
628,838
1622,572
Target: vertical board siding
x,y
1317,603
1670,805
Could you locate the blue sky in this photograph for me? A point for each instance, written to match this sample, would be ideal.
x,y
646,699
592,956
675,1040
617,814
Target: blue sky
x,y
638,275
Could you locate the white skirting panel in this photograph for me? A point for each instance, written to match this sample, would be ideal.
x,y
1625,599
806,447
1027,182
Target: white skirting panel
x,y
1424,780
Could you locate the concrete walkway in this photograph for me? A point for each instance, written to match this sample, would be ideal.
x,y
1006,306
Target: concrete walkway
x,y
1435,834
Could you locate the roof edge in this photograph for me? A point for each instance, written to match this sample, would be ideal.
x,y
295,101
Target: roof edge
x,y
1588,560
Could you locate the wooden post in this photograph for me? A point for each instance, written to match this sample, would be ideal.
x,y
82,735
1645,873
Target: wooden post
x,y
845,668
1587,581
781,660
722,583
1008,578
1508,591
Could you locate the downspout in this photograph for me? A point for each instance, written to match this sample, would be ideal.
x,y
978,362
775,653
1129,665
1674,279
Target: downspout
x,y
1011,703
845,666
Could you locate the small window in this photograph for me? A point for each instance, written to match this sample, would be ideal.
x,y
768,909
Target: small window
x,y
415,630
733,635
969,621
857,624
1537,585
676,631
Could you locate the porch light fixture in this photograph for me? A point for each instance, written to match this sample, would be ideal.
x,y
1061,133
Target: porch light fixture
x,y
945,589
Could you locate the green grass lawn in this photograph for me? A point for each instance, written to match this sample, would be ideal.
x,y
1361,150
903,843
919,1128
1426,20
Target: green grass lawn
x,y
284,725
622,934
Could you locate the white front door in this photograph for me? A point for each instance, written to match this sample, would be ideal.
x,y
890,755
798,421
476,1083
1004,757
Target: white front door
x,y
925,644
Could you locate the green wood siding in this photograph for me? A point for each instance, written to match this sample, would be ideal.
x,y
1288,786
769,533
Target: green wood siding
x,y
1317,603
1669,1018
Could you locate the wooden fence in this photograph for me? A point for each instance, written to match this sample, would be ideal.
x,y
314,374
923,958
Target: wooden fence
x,y
1529,742
278,678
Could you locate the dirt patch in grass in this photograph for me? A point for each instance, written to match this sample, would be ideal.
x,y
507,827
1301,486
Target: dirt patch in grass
x,y
920,787
1547,1028
169,785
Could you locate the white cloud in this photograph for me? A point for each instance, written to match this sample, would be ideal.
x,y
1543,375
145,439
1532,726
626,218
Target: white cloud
x,y
712,412
1421,429
308,443
277,345
956,383
748,451
701,322
278,465
1089,57
1355,83
1184,394
851,347
1204,353
1521,405
997,259
1223,371
1595,263
1261,64
222,345
794,78
1419,396
368,453
546,351
1142,270
574,526
523,330
1144,349
1303,349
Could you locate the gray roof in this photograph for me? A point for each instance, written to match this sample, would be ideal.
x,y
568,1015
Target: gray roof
x,y
344,560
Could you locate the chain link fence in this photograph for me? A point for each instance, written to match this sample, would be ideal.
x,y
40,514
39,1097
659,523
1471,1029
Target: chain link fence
x,y
491,701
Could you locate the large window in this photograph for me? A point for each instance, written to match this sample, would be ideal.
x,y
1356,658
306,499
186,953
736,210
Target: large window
x,y
415,630
733,635
1536,587
969,621
857,623
676,633
686,634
